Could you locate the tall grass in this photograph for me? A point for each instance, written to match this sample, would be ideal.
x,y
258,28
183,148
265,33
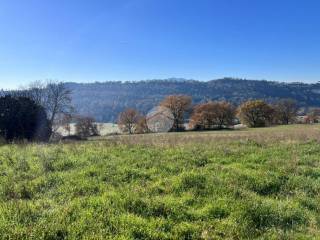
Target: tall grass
x,y
258,186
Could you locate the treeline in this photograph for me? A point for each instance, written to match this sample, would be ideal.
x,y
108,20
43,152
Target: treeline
x,y
105,101
37,112
215,115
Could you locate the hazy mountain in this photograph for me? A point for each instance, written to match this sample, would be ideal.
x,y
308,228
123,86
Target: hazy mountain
x,y
105,100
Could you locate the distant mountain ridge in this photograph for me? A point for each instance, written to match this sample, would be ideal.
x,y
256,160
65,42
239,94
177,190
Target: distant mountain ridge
x,y
105,100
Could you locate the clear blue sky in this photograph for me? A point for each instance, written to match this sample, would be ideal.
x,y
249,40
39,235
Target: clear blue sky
x,y
99,40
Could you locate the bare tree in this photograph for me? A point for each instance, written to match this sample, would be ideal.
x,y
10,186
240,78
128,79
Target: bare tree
x,y
128,120
37,92
58,100
286,111
178,105
86,127
54,96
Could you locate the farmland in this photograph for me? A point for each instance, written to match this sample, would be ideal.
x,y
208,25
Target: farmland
x,y
242,184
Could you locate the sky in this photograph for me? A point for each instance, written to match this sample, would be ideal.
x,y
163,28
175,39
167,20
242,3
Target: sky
x,y
104,40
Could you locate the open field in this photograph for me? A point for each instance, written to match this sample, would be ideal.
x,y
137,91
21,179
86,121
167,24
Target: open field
x,y
245,184
294,133
103,128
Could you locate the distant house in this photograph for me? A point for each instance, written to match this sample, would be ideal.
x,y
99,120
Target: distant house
x,y
307,119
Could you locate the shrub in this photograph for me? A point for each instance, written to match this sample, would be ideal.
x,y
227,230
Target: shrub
x,y
21,118
86,127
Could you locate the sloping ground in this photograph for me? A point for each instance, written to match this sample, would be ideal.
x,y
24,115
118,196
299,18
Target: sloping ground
x,y
104,101
254,186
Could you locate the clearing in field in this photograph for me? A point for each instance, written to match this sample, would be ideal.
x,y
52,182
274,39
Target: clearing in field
x,y
246,184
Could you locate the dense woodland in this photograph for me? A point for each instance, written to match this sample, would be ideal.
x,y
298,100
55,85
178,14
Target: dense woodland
x,y
104,101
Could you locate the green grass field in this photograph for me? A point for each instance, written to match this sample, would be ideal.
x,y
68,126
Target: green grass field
x,y
246,184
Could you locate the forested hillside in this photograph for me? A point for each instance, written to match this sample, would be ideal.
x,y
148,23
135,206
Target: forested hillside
x,y
105,100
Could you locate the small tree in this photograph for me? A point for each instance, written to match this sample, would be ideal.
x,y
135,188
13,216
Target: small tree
x,y
256,113
86,127
128,120
142,126
212,115
285,111
178,105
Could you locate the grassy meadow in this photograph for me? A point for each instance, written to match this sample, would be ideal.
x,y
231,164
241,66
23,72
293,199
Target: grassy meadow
x,y
242,184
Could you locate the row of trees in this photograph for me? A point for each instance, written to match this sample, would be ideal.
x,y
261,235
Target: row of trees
x,y
258,113
131,121
36,112
105,101
205,116
214,114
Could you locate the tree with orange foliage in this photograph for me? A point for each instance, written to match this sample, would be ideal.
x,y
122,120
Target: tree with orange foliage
x,y
178,105
142,126
212,115
128,120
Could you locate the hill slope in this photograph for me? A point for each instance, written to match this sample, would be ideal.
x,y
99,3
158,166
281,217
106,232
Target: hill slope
x,y
104,101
